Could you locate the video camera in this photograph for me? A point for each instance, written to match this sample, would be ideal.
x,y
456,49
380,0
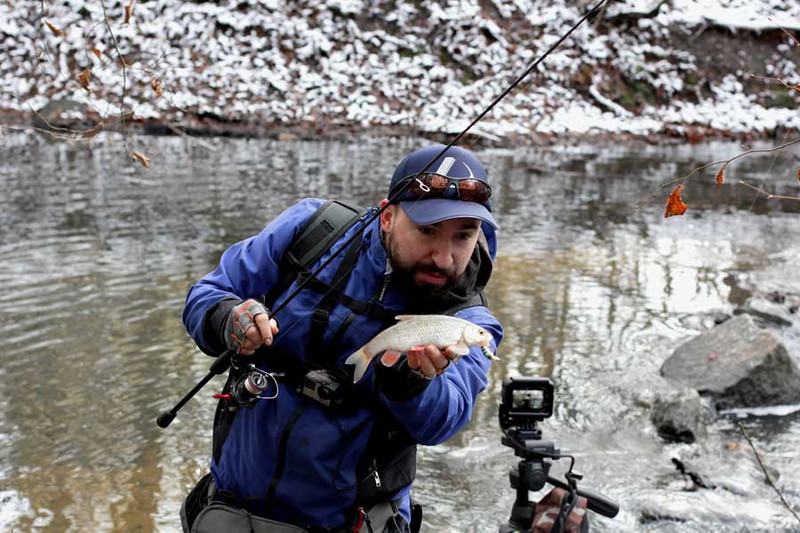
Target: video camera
x,y
524,403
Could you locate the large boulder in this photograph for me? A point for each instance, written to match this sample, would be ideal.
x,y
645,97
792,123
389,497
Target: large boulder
x,y
737,364
681,416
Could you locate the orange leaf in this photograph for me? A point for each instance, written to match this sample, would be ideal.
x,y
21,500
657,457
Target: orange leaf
x,y
97,53
155,83
55,29
84,78
721,174
675,205
129,11
141,158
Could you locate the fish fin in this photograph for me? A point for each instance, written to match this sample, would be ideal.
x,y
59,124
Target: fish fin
x,y
461,348
400,318
361,361
390,357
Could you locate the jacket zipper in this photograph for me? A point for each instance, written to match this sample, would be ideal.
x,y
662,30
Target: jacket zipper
x,y
281,464
375,473
385,286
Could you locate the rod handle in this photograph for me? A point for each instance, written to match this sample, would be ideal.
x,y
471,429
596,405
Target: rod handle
x,y
165,419
594,500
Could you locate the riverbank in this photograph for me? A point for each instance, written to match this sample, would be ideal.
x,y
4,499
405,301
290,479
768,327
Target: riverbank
x,y
681,69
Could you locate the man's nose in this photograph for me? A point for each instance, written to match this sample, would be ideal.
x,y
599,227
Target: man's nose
x,y
442,255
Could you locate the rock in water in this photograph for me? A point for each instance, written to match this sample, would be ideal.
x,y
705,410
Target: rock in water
x,y
738,365
681,416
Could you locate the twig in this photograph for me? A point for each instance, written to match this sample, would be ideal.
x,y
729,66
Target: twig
x,y
172,127
63,134
784,31
124,75
768,194
766,474
787,85
68,133
683,179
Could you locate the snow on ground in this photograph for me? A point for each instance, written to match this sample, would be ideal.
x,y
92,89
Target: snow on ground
x,y
432,66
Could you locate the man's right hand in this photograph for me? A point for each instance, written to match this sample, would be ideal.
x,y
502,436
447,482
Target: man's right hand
x,y
249,326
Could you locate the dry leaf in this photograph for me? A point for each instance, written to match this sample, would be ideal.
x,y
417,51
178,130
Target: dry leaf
x,y
798,175
733,446
97,52
155,83
675,205
721,175
55,29
84,78
129,11
141,158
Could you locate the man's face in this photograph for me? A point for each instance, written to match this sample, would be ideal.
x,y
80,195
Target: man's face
x,y
432,256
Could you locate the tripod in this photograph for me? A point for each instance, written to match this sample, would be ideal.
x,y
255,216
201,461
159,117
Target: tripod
x,y
532,473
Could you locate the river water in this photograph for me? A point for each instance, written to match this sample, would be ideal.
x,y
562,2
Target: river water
x,y
96,255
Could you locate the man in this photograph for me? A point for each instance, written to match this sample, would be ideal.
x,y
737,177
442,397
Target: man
x,y
336,466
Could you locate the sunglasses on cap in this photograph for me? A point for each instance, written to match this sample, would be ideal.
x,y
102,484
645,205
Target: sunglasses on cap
x,y
429,186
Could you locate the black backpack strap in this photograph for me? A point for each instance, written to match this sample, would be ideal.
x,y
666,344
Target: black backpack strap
x,y
320,316
473,300
323,229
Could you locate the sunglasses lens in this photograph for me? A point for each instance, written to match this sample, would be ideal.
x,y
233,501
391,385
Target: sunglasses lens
x,y
437,182
474,191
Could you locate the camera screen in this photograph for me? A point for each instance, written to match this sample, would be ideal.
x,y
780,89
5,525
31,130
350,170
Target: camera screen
x,y
527,400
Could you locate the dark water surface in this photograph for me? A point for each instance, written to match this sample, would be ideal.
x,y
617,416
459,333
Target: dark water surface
x,y
96,256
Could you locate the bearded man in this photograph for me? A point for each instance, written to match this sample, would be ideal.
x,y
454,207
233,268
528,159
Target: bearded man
x,y
319,453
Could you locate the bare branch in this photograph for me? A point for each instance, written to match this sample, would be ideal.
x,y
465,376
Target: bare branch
x,y
766,474
124,74
785,31
779,80
768,194
682,180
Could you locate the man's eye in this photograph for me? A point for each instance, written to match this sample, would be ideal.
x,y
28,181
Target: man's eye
x,y
426,230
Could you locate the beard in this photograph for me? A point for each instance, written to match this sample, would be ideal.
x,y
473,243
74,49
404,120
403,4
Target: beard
x,y
406,274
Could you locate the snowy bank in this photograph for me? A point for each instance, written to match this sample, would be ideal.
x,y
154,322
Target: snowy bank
x,y
646,67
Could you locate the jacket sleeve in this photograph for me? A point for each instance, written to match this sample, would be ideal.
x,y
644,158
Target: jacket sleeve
x,y
248,269
445,405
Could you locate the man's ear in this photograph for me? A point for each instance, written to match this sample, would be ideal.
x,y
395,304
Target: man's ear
x,y
387,217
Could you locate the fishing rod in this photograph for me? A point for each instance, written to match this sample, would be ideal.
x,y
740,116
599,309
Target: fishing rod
x,y
222,362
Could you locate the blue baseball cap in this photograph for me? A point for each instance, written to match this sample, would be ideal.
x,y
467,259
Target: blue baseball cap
x,y
456,163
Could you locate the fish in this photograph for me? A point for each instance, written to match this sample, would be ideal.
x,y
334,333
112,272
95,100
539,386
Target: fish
x,y
419,330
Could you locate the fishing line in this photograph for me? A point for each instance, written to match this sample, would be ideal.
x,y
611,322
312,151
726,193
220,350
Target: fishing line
x,y
222,361
483,113
393,197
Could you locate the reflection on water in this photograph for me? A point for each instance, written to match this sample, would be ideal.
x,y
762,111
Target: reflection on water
x,y
96,256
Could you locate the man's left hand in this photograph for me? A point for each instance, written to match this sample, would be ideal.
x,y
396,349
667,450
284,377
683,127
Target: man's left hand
x,y
429,360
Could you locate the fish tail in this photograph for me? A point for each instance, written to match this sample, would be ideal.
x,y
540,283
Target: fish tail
x,y
361,362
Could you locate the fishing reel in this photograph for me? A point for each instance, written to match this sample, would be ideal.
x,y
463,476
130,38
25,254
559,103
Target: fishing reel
x,y
525,402
249,385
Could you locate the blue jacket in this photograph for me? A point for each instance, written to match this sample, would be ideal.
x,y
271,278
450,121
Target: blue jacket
x,y
308,456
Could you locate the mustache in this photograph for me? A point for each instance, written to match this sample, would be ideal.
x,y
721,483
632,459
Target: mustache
x,y
431,268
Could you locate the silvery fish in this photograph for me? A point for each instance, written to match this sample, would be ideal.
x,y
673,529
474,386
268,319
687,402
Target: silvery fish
x,y
420,330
